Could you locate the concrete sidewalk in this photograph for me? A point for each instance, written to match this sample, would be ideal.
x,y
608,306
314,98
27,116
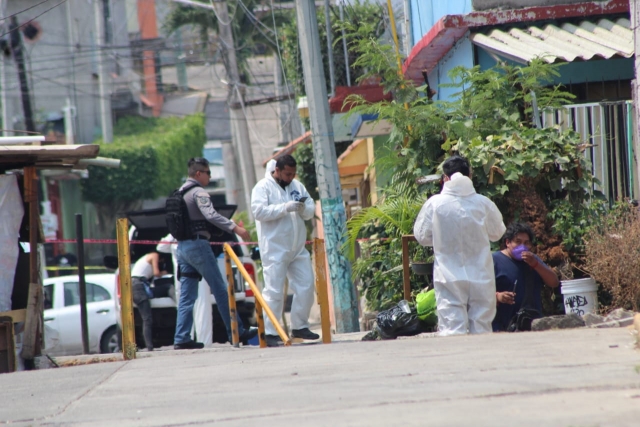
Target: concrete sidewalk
x,y
582,377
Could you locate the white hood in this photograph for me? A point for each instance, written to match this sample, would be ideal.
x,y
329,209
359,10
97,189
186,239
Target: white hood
x,y
271,166
459,185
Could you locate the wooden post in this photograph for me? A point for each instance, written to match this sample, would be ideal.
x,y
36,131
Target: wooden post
x,y
126,300
33,321
84,327
233,312
406,274
321,289
256,293
261,337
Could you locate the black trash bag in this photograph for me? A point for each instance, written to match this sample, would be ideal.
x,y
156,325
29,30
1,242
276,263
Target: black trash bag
x,y
395,322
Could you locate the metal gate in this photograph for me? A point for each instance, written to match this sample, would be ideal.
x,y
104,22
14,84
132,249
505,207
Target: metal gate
x,y
608,128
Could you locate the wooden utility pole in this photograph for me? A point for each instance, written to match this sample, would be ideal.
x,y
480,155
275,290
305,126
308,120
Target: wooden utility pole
x,y
333,211
31,344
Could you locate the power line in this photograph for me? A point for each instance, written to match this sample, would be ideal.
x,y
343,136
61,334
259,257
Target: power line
x,y
23,10
32,19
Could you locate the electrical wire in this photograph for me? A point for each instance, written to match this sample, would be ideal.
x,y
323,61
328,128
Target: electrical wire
x,y
32,19
23,10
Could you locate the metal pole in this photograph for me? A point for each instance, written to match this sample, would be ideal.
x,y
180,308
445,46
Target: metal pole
x,y
240,130
333,212
82,284
406,273
408,37
69,113
321,289
344,45
327,22
181,68
233,313
126,296
105,95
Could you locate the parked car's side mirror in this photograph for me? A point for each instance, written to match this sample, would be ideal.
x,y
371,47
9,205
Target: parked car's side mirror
x,y
111,262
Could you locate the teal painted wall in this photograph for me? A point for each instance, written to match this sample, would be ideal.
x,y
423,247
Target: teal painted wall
x,y
425,13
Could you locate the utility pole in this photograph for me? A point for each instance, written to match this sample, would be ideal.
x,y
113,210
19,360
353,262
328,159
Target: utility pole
x,y
333,212
18,57
230,175
105,94
327,22
239,128
408,34
181,68
344,45
69,114
285,107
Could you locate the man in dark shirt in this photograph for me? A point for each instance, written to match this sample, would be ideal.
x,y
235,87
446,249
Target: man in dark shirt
x,y
195,258
516,266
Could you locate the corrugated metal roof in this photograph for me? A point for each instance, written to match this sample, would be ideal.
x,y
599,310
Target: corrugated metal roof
x,y
567,42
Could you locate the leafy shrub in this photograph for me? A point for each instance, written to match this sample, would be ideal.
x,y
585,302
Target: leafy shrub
x,y
153,154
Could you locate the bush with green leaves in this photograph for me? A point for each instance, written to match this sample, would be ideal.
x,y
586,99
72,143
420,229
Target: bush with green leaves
x,y
153,153
527,171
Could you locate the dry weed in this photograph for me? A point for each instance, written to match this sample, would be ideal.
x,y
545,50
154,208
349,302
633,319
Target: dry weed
x,y
612,255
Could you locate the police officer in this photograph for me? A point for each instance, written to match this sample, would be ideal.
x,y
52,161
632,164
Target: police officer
x,y
195,257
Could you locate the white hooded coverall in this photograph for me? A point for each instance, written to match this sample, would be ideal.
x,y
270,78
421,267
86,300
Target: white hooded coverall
x,y
282,236
202,310
459,223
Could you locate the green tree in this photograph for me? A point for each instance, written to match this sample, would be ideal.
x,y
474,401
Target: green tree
x,y
356,14
534,175
153,153
252,31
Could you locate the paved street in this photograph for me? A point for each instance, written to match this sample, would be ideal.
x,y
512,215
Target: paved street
x,y
557,378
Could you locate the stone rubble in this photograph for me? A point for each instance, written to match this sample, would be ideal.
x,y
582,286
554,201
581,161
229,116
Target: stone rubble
x,y
618,318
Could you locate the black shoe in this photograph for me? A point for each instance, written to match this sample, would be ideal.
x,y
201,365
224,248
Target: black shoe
x,y
248,334
273,340
305,334
189,345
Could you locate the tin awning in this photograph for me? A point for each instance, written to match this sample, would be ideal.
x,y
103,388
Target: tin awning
x,y
603,39
48,156
445,33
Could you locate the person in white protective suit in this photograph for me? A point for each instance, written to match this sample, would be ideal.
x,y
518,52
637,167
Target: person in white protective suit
x,y
202,310
459,224
280,205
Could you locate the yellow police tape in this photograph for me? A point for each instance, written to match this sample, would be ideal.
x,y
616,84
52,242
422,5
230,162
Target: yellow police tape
x,y
75,268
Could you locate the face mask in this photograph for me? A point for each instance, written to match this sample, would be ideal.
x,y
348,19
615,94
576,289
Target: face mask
x,y
517,252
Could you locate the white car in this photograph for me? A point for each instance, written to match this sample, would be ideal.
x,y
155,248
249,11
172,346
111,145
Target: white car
x,y
62,313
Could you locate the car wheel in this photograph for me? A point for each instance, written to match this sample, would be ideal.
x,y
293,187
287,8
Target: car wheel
x,y
110,342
